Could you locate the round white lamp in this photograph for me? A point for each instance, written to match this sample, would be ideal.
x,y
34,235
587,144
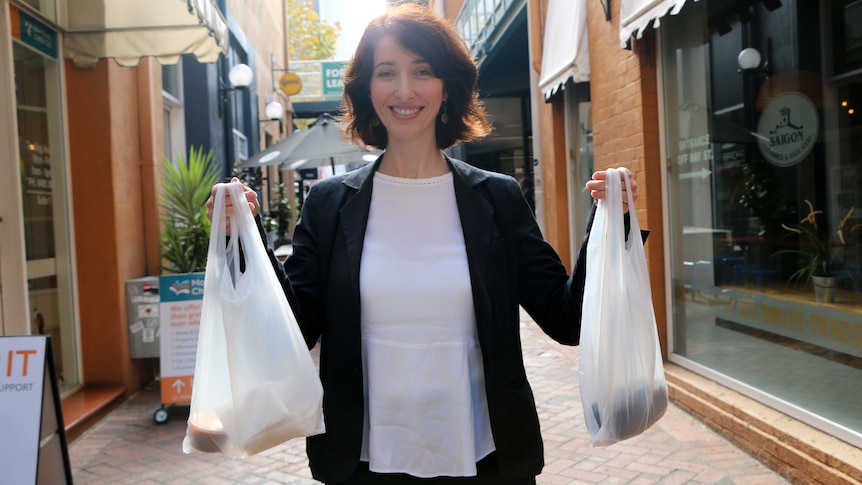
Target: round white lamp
x,y
749,58
240,76
274,110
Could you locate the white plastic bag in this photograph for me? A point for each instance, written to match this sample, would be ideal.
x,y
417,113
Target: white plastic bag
x,y
622,383
255,385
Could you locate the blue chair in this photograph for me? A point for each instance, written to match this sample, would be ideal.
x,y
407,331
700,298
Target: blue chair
x,y
724,266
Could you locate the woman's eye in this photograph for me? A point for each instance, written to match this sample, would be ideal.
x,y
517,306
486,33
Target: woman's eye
x,y
385,74
425,72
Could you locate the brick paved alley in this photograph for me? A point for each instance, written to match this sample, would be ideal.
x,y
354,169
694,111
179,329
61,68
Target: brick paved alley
x,y
128,447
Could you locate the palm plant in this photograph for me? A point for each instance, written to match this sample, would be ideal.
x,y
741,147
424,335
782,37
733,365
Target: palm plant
x,y
186,186
821,251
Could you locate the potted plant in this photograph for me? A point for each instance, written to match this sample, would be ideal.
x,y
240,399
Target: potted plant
x,y
186,186
822,252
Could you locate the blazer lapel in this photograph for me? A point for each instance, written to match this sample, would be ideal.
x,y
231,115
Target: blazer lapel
x,y
477,224
354,219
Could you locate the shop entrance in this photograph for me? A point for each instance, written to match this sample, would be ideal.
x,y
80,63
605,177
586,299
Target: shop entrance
x,y
36,291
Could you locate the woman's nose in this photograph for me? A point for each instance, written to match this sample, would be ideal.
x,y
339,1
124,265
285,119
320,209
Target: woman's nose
x,y
404,90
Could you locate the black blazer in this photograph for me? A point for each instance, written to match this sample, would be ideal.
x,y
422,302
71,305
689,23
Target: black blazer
x,y
510,265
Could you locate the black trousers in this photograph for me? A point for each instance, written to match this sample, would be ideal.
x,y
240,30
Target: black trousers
x,y
487,473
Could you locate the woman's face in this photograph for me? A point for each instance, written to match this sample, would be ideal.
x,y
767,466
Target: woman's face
x,y
405,92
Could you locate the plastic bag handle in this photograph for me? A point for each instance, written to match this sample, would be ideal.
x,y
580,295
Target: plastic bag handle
x,y
217,228
243,227
634,226
611,225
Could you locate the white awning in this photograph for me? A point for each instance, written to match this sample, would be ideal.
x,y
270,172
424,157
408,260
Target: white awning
x,y
566,48
636,15
130,29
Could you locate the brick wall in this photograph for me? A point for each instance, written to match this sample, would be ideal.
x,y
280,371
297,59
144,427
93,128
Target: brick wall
x,y
623,90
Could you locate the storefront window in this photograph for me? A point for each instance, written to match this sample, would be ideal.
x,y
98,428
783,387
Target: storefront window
x,y
579,143
47,8
765,170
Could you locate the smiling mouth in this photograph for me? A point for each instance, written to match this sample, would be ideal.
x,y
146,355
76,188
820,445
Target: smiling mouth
x,y
406,111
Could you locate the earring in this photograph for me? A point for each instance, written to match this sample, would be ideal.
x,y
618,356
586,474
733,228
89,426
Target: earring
x,y
444,115
375,122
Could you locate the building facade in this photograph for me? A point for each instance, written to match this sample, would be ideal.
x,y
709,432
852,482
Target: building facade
x,y
738,119
95,95
737,116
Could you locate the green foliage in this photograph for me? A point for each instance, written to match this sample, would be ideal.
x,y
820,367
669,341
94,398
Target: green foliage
x,y
275,220
310,37
282,216
186,186
821,252
758,193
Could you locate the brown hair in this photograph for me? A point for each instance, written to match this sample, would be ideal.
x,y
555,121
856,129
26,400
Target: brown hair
x,y
430,37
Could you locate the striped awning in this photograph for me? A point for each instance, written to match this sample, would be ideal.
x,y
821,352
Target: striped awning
x,y
636,15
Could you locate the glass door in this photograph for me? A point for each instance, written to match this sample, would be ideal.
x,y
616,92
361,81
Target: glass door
x,y
580,166
44,207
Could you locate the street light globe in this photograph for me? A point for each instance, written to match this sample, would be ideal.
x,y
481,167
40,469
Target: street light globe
x,y
240,76
274,110
749,58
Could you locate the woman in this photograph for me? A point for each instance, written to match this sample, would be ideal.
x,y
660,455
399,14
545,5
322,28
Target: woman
x,y
411,271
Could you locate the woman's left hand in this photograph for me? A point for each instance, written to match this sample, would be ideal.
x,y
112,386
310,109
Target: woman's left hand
x,y
598,185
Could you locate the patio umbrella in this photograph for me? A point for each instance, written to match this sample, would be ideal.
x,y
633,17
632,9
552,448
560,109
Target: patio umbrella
x,y
356,159
321,140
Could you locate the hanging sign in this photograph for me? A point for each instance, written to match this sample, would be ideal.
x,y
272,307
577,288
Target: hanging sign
x,y
787,129
290,83
33,33
333,77
33,446
181,299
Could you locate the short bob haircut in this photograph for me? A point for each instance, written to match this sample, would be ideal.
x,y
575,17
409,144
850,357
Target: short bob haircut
x,y
431,38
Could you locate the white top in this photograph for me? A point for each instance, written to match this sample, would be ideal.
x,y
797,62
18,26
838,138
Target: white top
x,y
426,413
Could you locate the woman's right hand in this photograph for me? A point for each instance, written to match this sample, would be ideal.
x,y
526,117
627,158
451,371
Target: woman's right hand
x,y
250,196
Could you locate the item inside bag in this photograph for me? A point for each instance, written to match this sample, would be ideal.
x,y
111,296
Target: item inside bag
x,y
273,417
633,411
206,433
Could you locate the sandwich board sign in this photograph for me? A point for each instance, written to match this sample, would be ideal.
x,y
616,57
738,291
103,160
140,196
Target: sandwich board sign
x,y
33,446
180,303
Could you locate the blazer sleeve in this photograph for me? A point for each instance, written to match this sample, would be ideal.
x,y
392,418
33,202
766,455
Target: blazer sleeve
x,y
300,273
552,298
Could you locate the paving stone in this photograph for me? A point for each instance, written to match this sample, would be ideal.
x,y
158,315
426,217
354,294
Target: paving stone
x,y
127,447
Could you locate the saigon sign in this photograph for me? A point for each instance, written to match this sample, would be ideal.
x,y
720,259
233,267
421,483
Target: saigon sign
x,y
787,129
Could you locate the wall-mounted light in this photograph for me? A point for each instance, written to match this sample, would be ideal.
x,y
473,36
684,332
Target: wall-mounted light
x,y
749,58
274,110
240,77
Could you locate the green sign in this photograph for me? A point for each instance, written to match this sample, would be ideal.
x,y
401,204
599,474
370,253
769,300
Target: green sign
x,y
37,35
333,77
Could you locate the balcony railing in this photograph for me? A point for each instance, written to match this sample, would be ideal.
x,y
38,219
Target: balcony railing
x,y
480,22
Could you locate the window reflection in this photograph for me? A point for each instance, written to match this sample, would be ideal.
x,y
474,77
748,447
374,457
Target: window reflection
x,y
764,198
